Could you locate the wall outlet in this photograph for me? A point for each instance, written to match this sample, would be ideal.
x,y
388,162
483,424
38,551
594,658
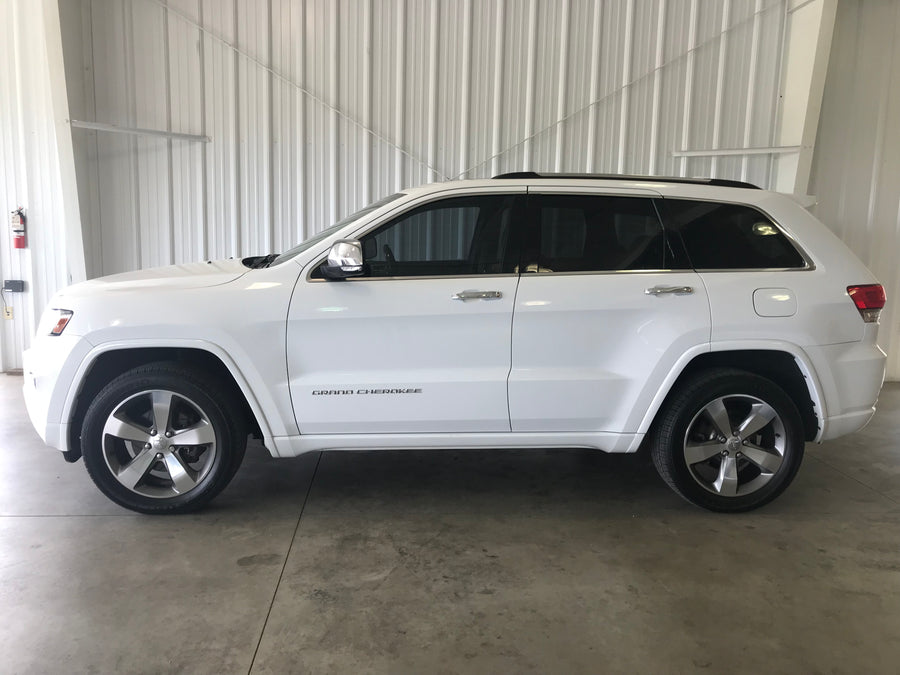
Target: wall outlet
x,y
7,312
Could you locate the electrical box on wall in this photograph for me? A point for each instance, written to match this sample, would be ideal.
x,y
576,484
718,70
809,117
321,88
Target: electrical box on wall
x,y
13,286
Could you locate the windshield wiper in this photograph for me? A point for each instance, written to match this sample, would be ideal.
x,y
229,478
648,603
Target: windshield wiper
x,y
259,261
267,260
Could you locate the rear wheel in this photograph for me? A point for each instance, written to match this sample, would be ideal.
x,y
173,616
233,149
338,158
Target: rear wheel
x,y
728,440
163,438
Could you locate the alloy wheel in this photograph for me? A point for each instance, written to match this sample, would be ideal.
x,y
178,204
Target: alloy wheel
x,y
734,445
159,444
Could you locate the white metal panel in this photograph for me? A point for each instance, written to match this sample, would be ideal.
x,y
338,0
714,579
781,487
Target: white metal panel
x,y
36,169
856,167
185,111
317,107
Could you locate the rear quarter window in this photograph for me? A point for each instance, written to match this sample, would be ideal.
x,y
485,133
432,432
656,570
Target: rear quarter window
x,y
729,236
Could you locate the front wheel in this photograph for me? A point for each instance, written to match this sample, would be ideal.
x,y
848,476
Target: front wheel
x,y
162,438
728,440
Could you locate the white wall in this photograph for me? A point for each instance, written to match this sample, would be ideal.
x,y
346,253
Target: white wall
x,y
856,170
36,168
300,111
316,107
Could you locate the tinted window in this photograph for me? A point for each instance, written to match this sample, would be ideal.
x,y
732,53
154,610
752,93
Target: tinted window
x,y
594,234
729,236
324,234
465,235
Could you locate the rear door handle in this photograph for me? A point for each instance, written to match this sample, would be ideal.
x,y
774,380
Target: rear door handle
x,y
476,295
667,290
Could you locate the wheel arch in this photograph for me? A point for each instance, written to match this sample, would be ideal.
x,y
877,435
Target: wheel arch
x,y
103,365
785,366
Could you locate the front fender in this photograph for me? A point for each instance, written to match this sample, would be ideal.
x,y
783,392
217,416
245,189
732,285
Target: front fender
x,y
250,382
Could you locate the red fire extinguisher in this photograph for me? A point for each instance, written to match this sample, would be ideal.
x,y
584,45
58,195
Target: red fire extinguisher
x,y
18,228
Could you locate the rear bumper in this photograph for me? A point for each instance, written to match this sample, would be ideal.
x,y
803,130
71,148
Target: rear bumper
x,y
841,425
852,375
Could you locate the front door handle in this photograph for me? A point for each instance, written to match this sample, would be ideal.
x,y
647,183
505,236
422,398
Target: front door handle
x,y
675,290
476,295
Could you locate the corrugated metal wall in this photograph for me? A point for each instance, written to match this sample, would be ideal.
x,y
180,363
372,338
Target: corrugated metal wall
x,y
856,168
36,169
314,108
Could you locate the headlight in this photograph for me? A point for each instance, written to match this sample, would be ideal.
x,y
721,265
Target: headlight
x,y
54,321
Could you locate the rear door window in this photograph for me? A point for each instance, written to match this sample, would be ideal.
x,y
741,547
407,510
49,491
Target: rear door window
x,y
595,233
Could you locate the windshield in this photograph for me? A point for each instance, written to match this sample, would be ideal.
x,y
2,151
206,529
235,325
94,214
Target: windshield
x,y
327,232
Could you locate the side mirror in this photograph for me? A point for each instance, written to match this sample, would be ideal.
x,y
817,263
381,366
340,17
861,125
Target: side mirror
x,y
345,259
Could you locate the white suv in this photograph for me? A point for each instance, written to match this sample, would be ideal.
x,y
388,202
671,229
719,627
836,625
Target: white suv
x,y
721,325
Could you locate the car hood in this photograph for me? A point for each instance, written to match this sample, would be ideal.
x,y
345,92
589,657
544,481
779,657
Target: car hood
x,y
173,277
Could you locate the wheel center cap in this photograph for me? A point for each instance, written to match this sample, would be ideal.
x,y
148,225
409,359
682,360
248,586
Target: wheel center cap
x,y
160,443
734,443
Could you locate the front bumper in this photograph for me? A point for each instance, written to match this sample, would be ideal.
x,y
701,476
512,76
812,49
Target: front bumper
x,y
49,368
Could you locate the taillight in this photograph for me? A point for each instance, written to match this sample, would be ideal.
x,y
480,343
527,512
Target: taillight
x,y
869,300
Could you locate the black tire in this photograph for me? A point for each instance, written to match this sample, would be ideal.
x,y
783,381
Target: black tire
x,y
743,471
167,476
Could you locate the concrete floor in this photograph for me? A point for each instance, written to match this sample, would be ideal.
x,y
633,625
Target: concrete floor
x,y
452,562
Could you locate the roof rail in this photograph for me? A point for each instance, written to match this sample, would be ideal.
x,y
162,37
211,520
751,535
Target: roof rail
x,y
718,182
